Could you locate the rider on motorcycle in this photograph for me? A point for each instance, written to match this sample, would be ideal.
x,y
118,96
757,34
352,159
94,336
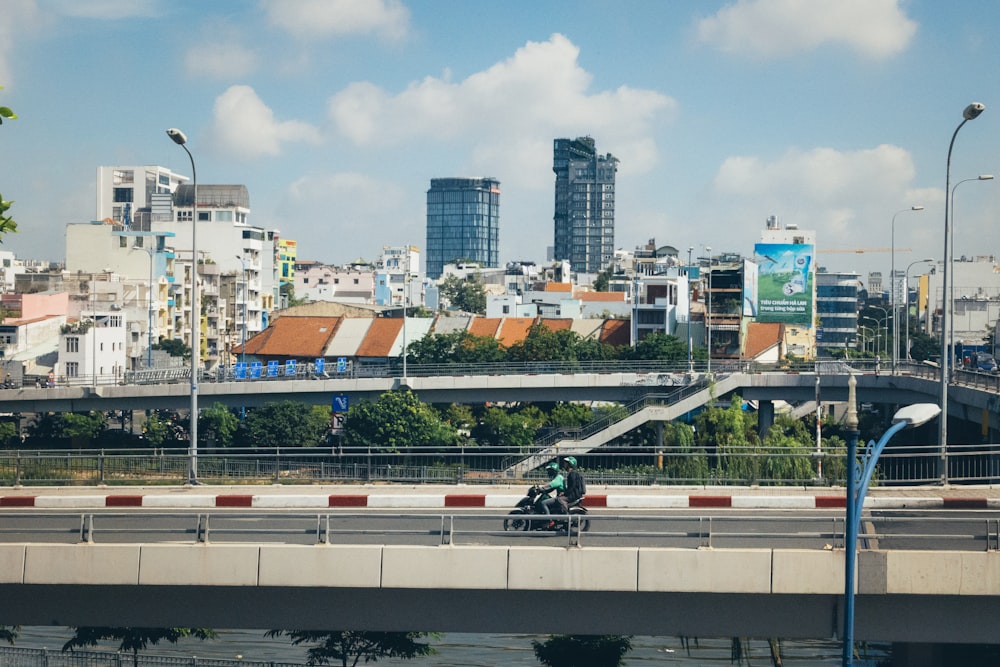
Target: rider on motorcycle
x,y
557,482
575,487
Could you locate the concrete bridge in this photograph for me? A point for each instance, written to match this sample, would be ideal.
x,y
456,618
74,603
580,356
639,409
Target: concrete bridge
x,y
902,596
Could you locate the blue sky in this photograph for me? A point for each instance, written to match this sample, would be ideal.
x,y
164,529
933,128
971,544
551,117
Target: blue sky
x,y
830,114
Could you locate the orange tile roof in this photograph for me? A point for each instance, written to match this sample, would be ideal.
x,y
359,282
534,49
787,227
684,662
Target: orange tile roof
x,y
557,324
515,329
761,336
380,337
292,336
616,332
485,326
616,297
558,287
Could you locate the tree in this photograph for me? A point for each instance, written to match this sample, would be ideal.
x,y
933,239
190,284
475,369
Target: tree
x,y
543,344
349,647
286,424
219,420
396,420
509,428
287,290
7,224
133,639
156,429
575,650
71,425
458,347
465,295
173,347
661,347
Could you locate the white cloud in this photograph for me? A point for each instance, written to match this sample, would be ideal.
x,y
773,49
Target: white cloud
x,y
313,19
105,10
517,105
19,17
245,127
220,60
775,28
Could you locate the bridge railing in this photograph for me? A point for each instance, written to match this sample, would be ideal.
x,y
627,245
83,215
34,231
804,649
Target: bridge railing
x,y
638,466
42,657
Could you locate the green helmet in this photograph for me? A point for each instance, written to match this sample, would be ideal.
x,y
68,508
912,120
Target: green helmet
x,y
552,469
570,461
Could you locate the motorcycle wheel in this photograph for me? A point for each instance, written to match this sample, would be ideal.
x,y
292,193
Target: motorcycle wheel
x,y
584,521
515,521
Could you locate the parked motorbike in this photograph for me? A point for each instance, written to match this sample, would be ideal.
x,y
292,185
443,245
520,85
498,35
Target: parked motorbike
x,y
529,515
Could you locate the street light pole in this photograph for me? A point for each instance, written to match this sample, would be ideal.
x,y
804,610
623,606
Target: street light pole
x,y
892,286
885,320
180,139
690,351
951,267
708,311
859,475
906,301
970,112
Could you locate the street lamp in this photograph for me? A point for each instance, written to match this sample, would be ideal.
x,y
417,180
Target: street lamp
x,y
859,475
885,320
180,139
877,347
951,266
892,286
906,300
708,311
690,351
970,112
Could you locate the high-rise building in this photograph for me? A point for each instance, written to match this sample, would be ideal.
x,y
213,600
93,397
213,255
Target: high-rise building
x,y
463,223
127,195
585,205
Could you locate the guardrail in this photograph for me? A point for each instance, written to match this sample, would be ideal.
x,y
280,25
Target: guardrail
x,y
640,466
42,657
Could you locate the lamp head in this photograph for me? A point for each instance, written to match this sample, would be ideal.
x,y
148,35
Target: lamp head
x,y
916,208
986,177
916,414
177,136
973,110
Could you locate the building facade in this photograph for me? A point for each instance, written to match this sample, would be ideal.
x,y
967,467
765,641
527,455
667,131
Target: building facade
x,y
584,218
126,195
837,306
463,223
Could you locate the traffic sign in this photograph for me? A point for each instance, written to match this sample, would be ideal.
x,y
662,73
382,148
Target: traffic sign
x,y
337,422
340,403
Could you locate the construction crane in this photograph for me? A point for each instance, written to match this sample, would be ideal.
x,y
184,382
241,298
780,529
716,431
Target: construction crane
x,y
861,251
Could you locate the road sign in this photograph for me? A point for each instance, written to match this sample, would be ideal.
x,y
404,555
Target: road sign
x,y
340,403
341,364
337,422
320,365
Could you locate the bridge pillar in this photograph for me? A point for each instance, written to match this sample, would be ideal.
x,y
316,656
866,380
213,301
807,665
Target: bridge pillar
x,y
765,416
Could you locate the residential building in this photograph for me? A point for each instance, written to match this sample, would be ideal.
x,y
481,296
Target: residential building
x,y
123,191
92,349
463,223
974,283
584,218
786,285
287,252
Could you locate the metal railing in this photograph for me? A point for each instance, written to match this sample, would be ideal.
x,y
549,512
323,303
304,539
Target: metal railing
x,y
40,657
638,466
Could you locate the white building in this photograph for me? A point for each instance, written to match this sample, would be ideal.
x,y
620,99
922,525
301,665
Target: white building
x,y
123,191
92,350
975,285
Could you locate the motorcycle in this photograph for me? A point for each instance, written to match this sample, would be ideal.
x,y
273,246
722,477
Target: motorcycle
x,y
529,515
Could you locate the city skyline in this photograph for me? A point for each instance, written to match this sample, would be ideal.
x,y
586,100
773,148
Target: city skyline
x,y
833,116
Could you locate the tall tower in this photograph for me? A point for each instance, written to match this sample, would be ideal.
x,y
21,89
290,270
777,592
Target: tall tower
x,y
463,222
585,204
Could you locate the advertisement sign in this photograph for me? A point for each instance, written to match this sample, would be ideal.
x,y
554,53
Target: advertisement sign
x,y
785,278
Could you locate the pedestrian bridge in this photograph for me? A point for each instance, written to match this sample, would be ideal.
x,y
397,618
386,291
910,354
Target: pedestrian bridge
x,y
902,596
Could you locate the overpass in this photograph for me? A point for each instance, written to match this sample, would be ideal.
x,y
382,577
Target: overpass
x,y
902,596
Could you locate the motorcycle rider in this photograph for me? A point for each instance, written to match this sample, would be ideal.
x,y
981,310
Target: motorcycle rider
x,y
575,486
557,482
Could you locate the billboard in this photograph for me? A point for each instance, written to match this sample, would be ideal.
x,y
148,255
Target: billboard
x,y
785,279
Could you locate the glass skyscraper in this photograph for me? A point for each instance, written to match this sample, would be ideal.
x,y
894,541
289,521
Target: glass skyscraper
x,y
585,205
463,222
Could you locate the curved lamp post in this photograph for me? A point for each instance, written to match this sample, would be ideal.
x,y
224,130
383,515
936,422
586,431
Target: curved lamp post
x,y
180,139
892,286
858,477
906,300
951,267
970,112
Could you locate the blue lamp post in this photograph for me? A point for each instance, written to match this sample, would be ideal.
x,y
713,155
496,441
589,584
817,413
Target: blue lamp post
x,y
859,475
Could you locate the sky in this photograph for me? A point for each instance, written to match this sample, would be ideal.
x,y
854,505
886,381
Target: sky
x,y
834,115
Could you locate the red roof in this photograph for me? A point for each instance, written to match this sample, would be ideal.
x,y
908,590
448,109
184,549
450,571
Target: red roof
x,y
616,332
380,337
292,336
762,336
485,326
515,329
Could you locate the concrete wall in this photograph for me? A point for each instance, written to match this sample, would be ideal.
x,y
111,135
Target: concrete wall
x,y
902,596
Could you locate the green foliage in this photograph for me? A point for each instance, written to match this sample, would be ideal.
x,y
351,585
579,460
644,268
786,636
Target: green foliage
x,y
684,460
543,344
516,428
286,424
133,639
74,425
576,650
568,415
397,419
922,346
660,346
156,429
8,433
465,295
793,445
348,647
173,347
8,633
459,347
287,290
219,420
7,223
6,112
603,280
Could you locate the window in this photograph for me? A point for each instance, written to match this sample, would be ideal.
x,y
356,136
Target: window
x,y
183,216
204,216
72,344
123,195
223,216
72,369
